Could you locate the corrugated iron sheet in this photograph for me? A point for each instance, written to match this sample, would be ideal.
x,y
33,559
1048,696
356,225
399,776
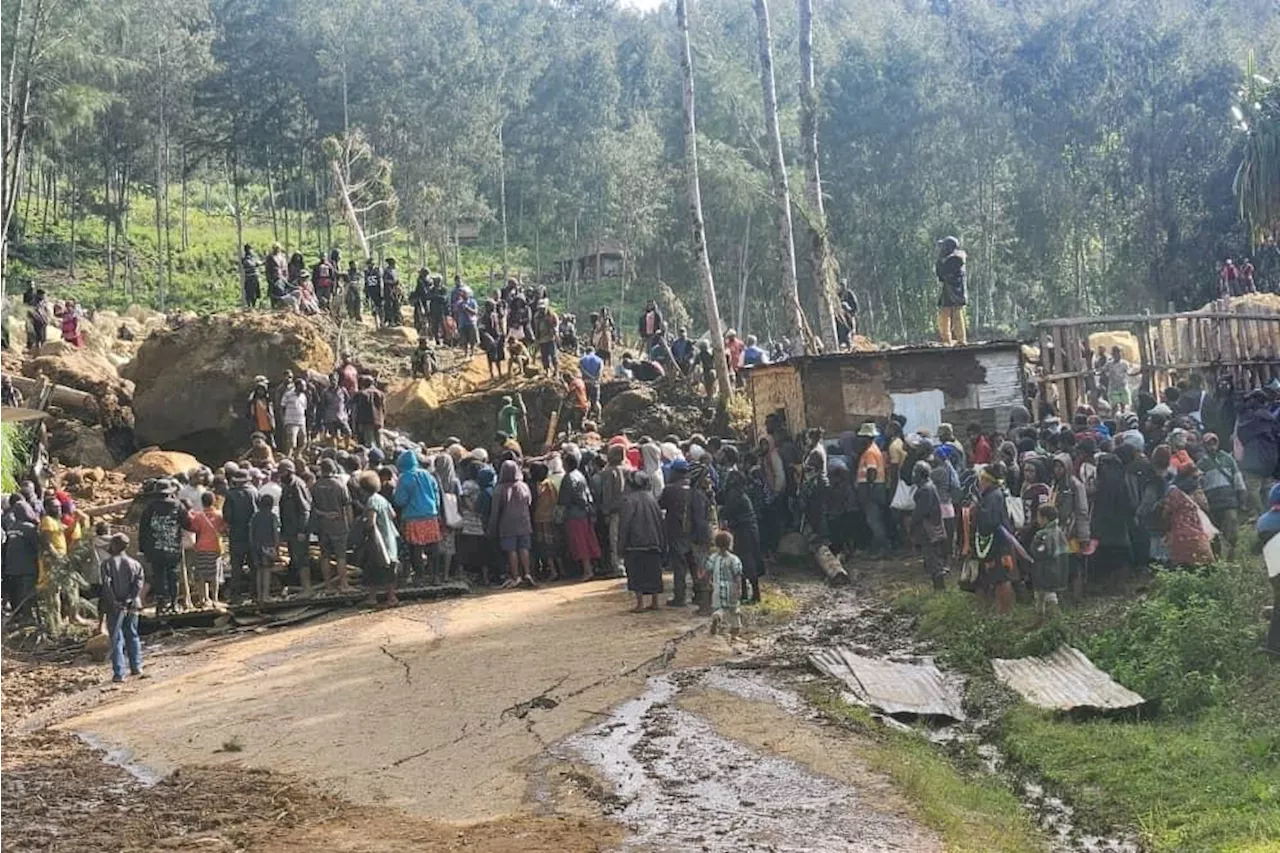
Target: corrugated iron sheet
x,y
1064,680
895,688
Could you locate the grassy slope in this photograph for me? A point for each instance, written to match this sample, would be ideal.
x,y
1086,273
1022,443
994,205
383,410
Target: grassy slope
x,y
1202,773
205,276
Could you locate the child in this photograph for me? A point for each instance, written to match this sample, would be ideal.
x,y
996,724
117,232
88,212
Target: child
x,y
1052,556
725,572
518,356
264,543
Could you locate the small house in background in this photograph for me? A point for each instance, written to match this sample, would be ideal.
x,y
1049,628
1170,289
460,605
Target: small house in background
x,y
467,232
606,252
929,385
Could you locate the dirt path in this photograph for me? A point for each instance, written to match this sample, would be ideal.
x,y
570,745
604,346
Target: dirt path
x,y
551,720
434,708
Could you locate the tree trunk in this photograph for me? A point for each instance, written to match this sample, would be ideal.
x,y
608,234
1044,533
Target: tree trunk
x,y
168,232
271,204
107,216
159,225
781,193
349,210
744,272
502,200
71,214
16,122
823,263
235,204
185,232
699,246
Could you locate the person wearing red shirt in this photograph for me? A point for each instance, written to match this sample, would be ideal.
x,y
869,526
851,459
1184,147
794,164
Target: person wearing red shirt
x,y
980,446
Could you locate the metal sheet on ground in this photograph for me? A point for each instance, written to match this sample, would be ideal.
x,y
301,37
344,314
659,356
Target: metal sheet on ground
x,y
890,686
1064,680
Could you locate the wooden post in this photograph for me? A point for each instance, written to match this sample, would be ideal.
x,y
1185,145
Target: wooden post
x,y
1143,333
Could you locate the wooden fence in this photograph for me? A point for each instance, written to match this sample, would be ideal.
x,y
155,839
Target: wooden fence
x,y
1243,344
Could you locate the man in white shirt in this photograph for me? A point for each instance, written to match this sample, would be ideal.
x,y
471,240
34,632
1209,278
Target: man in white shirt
x,y
293,405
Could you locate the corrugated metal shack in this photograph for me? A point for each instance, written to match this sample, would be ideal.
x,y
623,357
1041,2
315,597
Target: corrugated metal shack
x,y
930,385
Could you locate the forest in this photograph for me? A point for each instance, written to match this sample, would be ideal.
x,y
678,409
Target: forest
x,y
1085,152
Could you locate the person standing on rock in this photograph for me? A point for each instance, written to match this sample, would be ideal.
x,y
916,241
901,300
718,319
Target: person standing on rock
x,y
353,291
293,407
591,366
368,412
122,581
324,277
260,413
276,266
333,410
373,290
392,294
437,302
295,521
250,284
37,320
419,301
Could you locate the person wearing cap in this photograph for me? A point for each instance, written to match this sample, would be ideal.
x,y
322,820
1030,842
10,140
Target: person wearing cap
x,y
993,538
293,411
122,580
952,295
160,541
1224,489
686,523
238,508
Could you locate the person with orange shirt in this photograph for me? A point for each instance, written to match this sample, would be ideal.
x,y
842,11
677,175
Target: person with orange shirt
x,y
870,481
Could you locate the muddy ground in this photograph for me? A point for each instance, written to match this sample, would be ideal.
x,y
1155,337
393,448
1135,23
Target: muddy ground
x,y
538,721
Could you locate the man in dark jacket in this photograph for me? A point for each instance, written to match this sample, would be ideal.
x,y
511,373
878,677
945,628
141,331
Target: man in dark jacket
x,y
295,520
160,541
368,412
20,565
237,511
953,296
686,523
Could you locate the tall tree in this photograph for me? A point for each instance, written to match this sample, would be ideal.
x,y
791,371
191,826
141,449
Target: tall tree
x,y
1257,180
797,327
699,246
821,259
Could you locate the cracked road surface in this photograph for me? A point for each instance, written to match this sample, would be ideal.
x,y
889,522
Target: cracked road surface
x,y
439,709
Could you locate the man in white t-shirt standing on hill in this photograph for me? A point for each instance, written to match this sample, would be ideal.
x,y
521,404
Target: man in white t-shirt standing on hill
x,y
293,406
1117,372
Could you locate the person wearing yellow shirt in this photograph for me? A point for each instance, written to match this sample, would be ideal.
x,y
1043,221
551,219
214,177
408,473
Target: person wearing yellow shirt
x,y
870,481
53,550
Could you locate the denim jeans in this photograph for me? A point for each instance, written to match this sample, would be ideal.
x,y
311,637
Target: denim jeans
x,y
124,638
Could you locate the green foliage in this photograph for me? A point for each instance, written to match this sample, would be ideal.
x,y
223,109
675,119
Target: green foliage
x,y
1188,640
1211,784
13,456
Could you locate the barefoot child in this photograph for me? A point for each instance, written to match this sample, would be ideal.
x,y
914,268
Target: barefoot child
x,y
1050,571
724,570
264,543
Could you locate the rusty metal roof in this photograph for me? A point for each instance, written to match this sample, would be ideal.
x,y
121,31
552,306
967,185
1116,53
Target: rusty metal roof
x,y
892,687
1064,680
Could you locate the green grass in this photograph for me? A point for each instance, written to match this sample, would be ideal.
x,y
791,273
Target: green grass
x,y
13,456
776,604
973,812
1200,772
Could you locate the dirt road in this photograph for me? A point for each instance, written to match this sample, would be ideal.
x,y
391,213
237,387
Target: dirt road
x,y
534,721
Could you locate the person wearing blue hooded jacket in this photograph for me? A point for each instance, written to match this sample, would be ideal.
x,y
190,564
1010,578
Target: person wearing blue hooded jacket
x,y
417,499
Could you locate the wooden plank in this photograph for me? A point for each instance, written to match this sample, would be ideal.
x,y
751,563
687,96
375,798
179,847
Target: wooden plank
x,y
1122,319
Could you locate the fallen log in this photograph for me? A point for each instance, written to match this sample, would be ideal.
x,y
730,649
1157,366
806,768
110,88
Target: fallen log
x,y
63,397
830,565
107,509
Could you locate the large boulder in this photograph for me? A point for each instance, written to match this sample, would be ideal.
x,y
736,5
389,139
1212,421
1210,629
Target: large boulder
x,y
75,444
192,382
81,369
153,462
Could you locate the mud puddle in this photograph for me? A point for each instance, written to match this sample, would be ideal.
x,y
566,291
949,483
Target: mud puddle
x,y
679,785
854,617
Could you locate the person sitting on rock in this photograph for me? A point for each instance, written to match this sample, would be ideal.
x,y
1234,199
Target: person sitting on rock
x,y
423,364
9,395
644,371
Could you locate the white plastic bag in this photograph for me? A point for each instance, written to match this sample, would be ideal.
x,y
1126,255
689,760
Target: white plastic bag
x,y
904,497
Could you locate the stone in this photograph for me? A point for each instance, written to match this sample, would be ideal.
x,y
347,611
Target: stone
x,y
193,382
151,462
